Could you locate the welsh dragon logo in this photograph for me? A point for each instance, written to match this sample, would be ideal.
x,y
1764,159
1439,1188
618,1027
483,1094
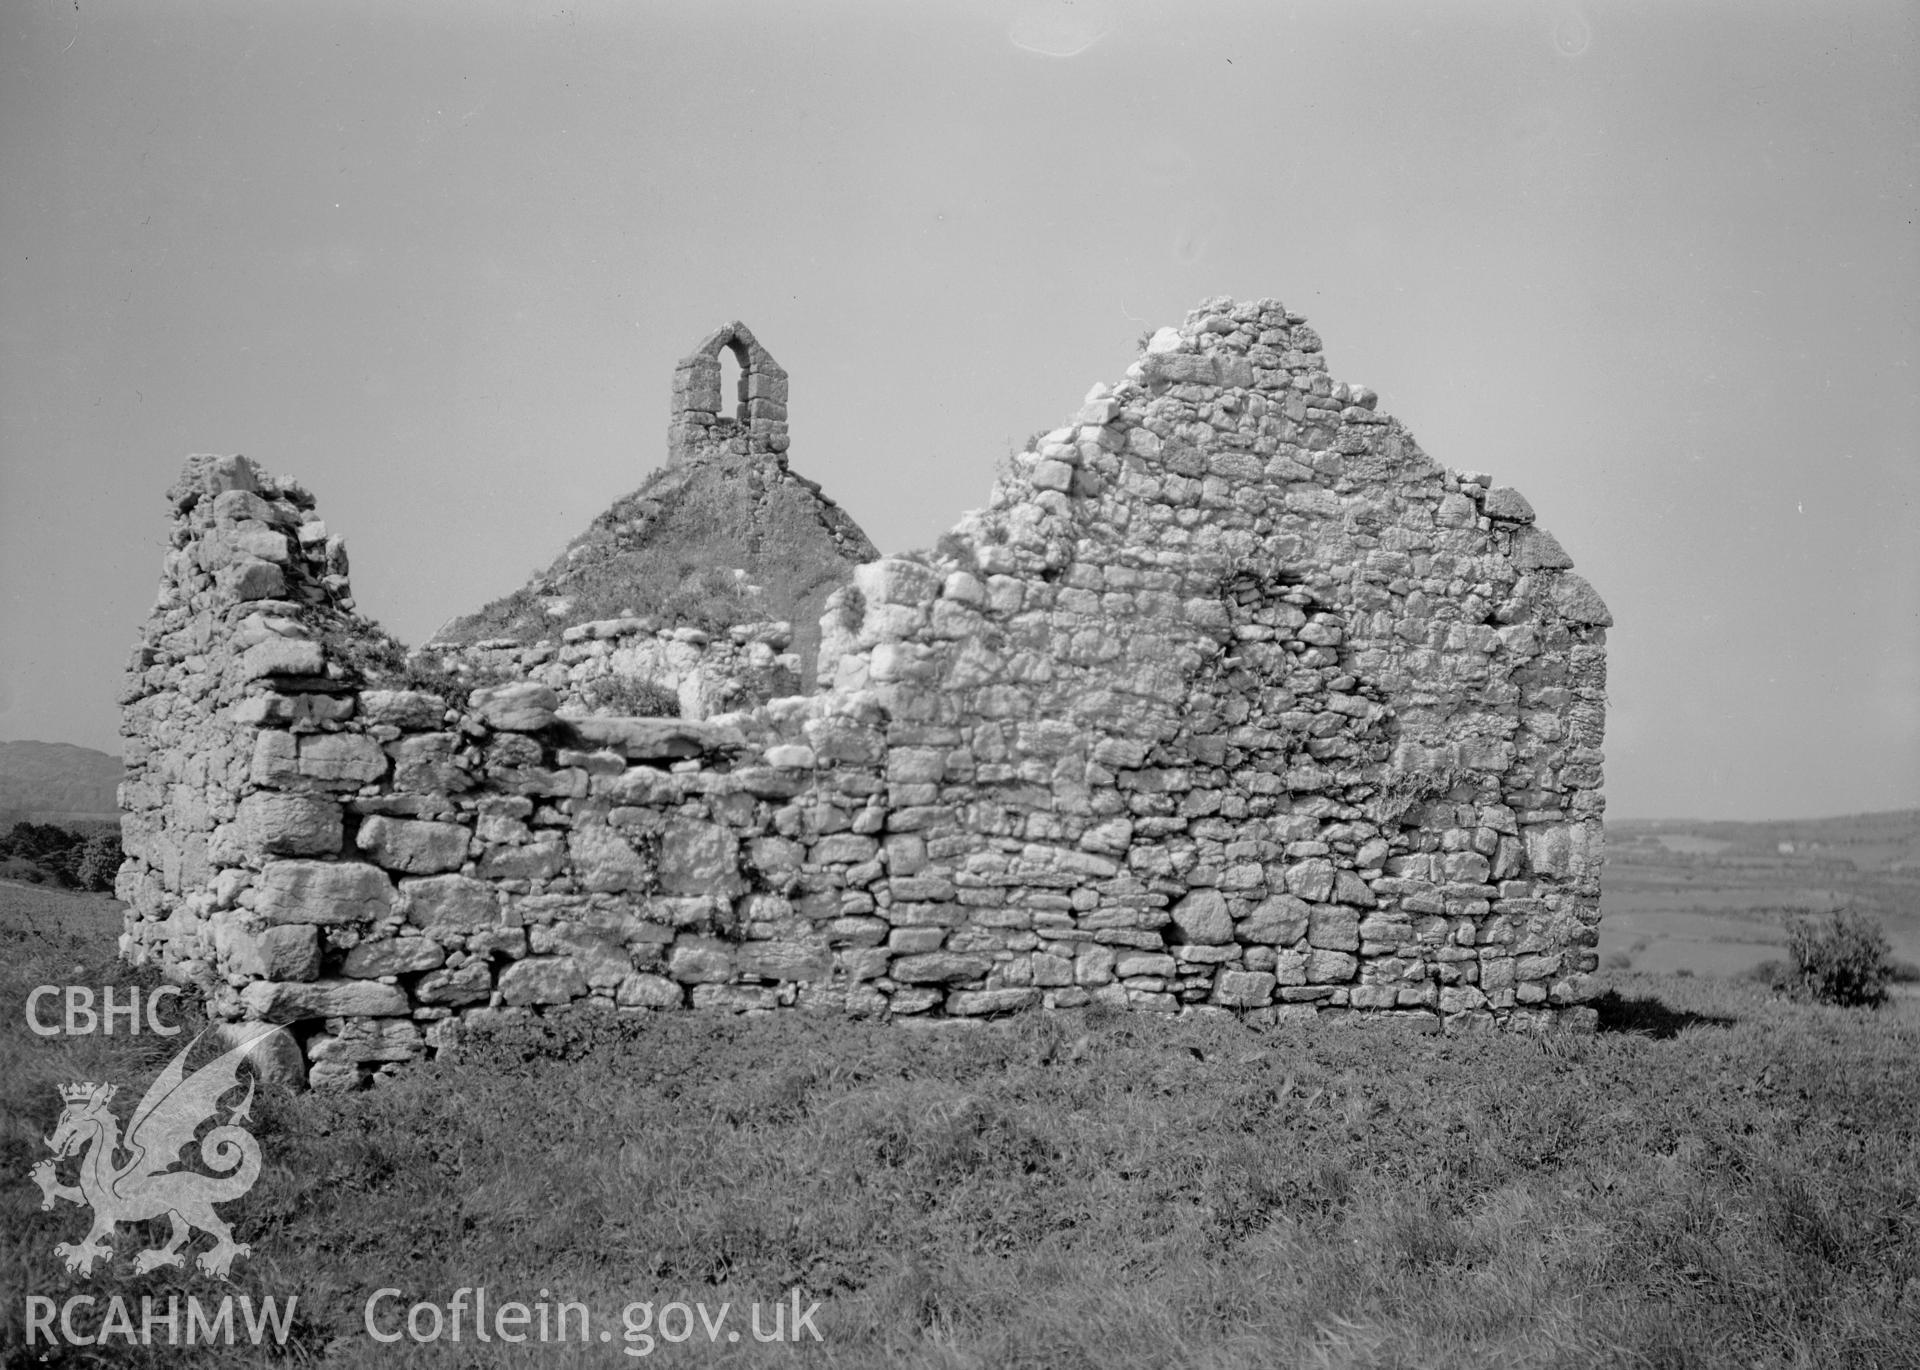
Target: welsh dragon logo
x,y
144,1184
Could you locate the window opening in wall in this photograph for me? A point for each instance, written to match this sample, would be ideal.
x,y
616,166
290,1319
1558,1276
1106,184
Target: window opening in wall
x,y
731,406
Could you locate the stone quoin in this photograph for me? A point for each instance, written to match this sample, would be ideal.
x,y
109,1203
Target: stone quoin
x,y
1230,700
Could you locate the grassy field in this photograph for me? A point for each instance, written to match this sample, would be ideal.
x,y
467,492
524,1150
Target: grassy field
x,y
1715,1179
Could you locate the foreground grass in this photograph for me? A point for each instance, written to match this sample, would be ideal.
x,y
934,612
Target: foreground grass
x,y
1716,1179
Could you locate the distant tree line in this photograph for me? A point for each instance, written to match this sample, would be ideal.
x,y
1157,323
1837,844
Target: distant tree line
x,y
46,853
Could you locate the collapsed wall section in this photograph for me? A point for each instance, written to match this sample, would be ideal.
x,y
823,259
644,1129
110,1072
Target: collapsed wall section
x,y
636,665
1230,700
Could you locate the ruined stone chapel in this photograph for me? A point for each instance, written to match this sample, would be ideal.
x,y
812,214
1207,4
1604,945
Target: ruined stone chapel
x,y
1230,699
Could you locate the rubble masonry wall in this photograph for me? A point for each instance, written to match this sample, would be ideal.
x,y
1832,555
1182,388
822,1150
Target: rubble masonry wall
x,y
1230,699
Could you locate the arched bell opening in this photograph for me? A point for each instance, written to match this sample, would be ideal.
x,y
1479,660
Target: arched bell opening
x,y
721,400
735,374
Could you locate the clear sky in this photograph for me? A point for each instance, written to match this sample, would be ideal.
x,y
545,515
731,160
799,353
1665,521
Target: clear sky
x,y
1653,263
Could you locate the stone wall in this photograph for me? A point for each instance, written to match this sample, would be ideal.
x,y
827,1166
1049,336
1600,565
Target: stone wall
x,y
703,672
1230,700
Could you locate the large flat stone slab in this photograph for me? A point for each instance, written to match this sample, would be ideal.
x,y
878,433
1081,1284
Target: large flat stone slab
x,y
322,892
654,739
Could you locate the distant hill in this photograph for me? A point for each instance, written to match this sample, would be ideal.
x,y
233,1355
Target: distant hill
x,y
54,782
1888,841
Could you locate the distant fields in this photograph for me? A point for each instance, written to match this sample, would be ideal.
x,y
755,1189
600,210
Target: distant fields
x,y
1713,898
1715,1179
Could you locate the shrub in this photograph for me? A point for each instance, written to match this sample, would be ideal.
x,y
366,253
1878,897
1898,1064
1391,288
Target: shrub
x,y
630,697
363,648
43,853
1844,960
852,608
21,869
431,674
99,862
710,598
952,547
372,656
